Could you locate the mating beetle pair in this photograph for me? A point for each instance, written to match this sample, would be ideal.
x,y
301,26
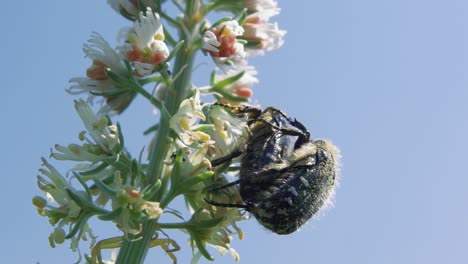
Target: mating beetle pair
x,y
285,177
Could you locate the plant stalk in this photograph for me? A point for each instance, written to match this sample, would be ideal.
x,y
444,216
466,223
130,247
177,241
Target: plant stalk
x,y
134,249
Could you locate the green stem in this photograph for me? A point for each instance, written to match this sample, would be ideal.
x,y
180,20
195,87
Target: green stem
x,y
183,225
148,96
166,200
133,249
149,80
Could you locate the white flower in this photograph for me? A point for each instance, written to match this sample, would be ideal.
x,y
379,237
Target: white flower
x,y
221,40
97,83
55,189
86,232
146,47
230,131
153,209
75,152
62,210
243,86
232,26
197,160
103,135
219,236
112,259
222,44
222,250
267,36
210,41
130,199
238,57
104,140
85,85
104,57
183,122
98,49
260,5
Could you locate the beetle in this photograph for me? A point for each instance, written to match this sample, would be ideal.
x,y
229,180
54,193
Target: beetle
x,y
285,178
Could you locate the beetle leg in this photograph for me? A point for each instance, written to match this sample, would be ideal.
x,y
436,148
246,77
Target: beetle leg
x,y
236,153
252,112
225,186
242,206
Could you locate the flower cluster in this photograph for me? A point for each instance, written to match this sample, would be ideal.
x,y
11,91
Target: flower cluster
x,y
105,173
97,82
60,207
103,144
110,75
106,182
229,42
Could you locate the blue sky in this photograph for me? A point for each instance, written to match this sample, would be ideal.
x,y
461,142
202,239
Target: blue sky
x,y
385,80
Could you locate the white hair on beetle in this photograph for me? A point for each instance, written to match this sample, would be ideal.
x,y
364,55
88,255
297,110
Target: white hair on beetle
x,y
302,152
330,198
336,154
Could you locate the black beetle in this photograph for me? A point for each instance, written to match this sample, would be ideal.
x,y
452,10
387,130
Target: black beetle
x,y
285,177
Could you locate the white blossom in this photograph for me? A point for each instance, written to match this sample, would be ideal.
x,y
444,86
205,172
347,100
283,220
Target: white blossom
x,y
184,121
104,141
146,47
259,30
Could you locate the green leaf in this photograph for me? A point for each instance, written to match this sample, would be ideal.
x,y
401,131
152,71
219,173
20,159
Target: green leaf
x,y
176,169
207,128
79,225
192,181
252,44
151,129
80,180
242,17
228,96
222,20
121,138
202,249
116,79
142,5
96,170
202,27
174,213
230,80
78,199
150,79
105,189
212,77
112,215
208,223
151,190
175,50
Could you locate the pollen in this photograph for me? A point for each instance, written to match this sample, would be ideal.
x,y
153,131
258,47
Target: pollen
x,y
133,194
159,37
185,123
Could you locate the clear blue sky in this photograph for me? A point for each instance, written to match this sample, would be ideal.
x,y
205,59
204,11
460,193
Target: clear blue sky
x,y
385,80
